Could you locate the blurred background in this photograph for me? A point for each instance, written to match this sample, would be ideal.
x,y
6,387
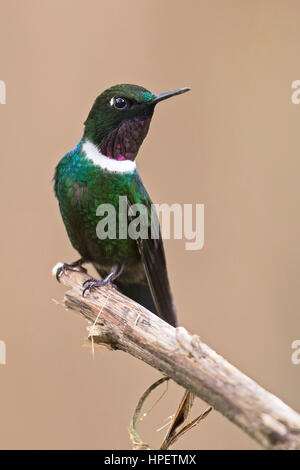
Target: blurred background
x,y
232,143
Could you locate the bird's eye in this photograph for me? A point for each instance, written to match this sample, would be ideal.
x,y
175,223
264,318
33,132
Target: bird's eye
x,y
121,103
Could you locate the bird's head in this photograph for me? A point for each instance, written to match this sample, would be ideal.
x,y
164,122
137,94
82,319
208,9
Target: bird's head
x,y
120,117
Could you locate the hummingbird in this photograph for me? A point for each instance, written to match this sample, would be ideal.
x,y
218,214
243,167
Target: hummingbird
x,y
99,170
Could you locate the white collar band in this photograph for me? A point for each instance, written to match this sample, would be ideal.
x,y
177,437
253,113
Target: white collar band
x,y
114,166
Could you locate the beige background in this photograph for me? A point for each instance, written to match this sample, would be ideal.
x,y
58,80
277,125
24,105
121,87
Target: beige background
x,y
232,144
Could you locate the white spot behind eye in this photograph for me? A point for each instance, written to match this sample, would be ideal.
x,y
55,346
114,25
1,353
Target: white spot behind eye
x,y
111,101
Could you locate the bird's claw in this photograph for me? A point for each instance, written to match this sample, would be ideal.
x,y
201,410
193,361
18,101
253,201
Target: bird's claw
x,y
92,283
65,266
61,270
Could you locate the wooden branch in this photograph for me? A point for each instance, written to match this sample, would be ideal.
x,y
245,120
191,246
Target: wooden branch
x,y
120,323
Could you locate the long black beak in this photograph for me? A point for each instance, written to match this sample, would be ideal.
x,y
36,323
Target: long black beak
x,y
168,94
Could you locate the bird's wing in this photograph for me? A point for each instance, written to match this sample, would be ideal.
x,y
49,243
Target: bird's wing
x,y
153,256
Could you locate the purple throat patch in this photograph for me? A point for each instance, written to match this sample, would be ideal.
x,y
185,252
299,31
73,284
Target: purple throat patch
x,y
123,143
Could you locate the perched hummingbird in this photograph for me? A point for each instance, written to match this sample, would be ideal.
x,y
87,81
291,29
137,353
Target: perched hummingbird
x,y
99,170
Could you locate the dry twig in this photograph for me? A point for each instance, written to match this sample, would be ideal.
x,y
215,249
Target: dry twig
x,y
125,325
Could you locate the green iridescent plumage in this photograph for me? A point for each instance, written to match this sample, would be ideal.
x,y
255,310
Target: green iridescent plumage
x,y
81,187
115,128
102,119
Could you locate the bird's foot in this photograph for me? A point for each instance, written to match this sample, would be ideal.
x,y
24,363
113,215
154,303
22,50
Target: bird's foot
x,y
61,268
92,283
